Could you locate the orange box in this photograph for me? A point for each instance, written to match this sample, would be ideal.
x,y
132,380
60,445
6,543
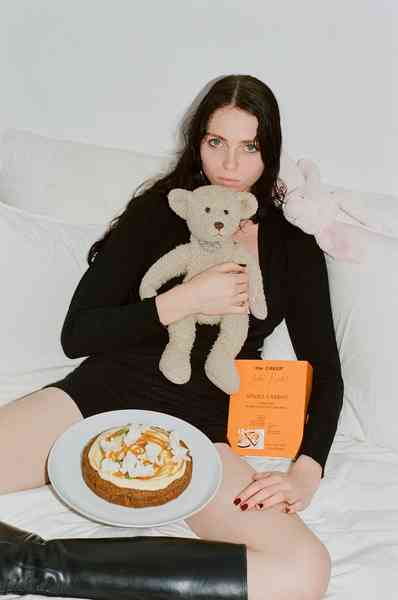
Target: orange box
x,y
266,417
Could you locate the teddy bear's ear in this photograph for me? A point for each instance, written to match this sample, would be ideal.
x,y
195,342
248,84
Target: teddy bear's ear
x,y
178,200
248,203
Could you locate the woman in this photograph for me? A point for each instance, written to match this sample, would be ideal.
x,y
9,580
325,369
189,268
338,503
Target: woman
x,y
233,138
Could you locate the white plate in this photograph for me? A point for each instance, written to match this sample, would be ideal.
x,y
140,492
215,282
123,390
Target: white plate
x,y
64,470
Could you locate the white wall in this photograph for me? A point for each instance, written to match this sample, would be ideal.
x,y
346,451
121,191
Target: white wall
x,y
122,72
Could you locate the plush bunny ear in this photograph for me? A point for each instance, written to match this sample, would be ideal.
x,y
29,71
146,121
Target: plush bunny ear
x,y
178,200
311,172
248,204
316,212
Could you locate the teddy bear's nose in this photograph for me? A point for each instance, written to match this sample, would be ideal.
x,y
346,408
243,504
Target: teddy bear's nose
x,y
218,225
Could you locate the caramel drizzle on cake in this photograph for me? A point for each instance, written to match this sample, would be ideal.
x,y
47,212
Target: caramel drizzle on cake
x,y
135,454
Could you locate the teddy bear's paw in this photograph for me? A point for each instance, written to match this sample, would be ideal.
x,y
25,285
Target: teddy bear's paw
x,y
147,291
175,365
221,370
259,308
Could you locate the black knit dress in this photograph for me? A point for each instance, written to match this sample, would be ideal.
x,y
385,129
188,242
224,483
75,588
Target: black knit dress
x,y
123,338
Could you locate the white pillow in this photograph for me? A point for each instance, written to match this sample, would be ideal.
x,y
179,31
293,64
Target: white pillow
x,y
82,183
364,300
278,346
365,309
71,181
41,262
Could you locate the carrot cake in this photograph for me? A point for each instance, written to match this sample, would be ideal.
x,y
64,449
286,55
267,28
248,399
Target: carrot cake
x,y
137,465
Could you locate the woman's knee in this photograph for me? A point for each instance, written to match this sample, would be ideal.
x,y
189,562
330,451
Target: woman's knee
x,y
309,573
314,572
303,574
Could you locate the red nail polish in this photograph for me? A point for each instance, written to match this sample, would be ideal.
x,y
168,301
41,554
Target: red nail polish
x,y
237,501
243,507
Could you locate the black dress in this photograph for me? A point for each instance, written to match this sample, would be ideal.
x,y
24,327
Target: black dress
x,y
124,339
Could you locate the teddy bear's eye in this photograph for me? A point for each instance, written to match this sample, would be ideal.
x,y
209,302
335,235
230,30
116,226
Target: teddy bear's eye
x,y
226,212
207,209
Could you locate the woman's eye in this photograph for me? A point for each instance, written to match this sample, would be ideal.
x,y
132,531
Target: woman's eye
x,y
251,147
226,212
214,142
207,209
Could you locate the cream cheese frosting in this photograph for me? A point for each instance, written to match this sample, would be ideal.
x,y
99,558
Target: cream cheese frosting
x,y
140,457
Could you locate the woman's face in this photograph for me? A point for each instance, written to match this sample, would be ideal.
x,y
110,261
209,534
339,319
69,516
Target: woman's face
x,y
229,153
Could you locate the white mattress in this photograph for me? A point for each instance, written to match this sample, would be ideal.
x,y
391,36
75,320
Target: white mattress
x,y
355,513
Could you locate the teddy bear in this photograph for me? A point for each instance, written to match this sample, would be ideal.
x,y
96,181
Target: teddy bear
x,y
213,214
317,211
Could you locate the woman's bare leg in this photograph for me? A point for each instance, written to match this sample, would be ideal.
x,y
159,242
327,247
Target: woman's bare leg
x,y
286,561
28,428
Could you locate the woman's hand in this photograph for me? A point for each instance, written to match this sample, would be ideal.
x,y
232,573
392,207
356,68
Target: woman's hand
x,y
288,492
220,289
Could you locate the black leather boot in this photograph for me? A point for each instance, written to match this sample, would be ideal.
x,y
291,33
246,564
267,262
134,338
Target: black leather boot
x,y
135,568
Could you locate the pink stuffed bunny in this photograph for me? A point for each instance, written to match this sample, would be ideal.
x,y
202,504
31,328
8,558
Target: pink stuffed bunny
x,y
316,212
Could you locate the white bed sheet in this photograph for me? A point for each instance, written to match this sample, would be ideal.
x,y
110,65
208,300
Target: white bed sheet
x,y
355,513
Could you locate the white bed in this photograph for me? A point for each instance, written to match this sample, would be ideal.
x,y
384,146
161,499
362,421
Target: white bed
x,y
54,203
355,513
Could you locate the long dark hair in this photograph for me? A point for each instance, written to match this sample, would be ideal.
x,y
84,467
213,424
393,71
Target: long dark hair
x,y
247,93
